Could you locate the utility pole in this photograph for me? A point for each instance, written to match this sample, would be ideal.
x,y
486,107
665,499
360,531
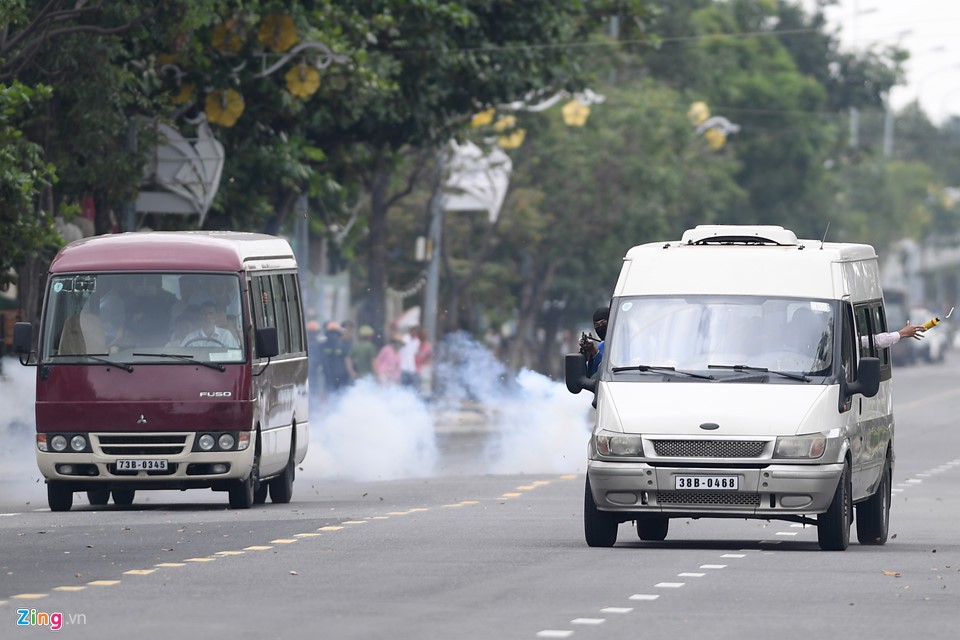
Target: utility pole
x,y
429,320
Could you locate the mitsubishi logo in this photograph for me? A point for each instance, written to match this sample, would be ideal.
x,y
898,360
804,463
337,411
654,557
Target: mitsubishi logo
x,y
142,420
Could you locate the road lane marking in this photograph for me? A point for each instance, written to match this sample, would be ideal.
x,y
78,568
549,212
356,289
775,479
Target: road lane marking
x,y
419,509
526,487
259,547
511,495
452,506
734,555
329,528
69,588
787,533
139,572
914,481
283,541
29,596
669,585
308,535
568,477
354,522
644,596
713,566
588,621
380,518
103,583
466,502
228,553
170,564
8,514
554,633
199,559
690,575
616,610
540,482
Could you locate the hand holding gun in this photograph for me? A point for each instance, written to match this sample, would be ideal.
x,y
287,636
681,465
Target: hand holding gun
x,y
587,347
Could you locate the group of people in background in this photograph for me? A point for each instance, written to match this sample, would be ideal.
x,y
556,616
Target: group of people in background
x,y
405,358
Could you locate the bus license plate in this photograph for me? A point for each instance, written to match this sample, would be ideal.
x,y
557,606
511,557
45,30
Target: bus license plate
x,y
141,465
709,483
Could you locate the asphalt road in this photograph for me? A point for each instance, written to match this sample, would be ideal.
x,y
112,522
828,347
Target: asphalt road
x,y
470,554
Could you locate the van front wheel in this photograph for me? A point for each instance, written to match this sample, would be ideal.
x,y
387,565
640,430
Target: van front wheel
x,y
833,527
873,515
599,527
653,528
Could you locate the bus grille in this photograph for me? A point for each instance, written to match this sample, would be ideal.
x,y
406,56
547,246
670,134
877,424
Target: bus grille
x,y
142,444
709,448
709,498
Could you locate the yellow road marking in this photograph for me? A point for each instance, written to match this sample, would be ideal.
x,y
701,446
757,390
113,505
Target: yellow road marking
x,y
355,522
228,553
199,559
69,588
418,509
540,482
283,541
526,487
2,602
469,502
511,495
29,596
139,572
329,528
568,477
103,583
452,506
398,513
307,535
380,518
170,564
257,548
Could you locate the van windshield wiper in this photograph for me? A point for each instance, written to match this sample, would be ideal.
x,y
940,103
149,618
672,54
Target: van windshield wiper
x,y
97,357
185,358
646,368
745,367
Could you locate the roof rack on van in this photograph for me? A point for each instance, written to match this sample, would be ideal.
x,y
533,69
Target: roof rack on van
x,y
739,234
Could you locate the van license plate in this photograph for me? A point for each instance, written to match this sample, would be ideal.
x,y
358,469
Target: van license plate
x,y
141,465
709,483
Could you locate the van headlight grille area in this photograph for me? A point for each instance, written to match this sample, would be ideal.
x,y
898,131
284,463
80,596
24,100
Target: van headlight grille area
x,y
709,448
709,498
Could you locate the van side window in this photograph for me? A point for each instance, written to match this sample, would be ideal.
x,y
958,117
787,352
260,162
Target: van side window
x,y
847,357
865,330
292,294
880,326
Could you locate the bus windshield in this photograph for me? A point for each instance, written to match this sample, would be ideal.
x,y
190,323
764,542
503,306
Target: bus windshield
x,y
173,318
717,333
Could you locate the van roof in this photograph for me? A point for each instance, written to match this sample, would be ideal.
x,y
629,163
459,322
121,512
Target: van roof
x,y
169,251
747,259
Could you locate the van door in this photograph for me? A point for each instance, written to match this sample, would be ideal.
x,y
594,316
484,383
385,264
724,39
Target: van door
x,y
870,412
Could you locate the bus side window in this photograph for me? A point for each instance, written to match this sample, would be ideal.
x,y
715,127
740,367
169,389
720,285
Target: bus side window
x,y
280,313
294,312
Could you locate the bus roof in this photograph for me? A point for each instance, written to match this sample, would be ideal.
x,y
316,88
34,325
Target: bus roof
x,y
169,251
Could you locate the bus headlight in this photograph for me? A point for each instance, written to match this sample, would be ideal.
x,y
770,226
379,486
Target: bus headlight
x,y
58,443
226,441
619,445
78,443
808,446
206,442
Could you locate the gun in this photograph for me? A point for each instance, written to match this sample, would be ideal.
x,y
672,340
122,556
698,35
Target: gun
x,y
584,341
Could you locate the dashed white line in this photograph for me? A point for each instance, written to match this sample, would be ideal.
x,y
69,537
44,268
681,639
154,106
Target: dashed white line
x,y
644,596
669,585
690,575
713,566
734,555
588,621
616,610
787,533
554,633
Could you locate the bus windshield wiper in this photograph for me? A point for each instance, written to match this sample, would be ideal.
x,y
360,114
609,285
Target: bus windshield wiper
x,y
97,357
745,367
645,368
185,358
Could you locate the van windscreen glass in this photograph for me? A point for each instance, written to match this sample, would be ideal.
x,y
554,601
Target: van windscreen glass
x,y
691,333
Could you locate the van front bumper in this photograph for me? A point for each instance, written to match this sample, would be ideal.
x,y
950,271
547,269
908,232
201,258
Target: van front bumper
x,y
772,491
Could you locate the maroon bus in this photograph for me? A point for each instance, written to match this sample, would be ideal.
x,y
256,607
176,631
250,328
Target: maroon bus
x,y
170,360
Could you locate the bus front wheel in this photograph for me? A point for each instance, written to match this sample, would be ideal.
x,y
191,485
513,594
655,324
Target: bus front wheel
x,y
59,496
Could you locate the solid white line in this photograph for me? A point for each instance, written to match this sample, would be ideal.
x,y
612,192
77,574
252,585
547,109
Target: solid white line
x,y
554,633
616,610
690,575
644,596
669,585
591,621
713,566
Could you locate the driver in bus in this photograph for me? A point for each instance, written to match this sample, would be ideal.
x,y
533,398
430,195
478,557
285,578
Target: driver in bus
x,y
209,334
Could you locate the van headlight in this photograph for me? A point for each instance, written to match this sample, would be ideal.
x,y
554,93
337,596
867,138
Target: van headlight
x,y
610,444
808,446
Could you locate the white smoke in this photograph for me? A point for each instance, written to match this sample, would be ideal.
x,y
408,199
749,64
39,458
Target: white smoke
x,y
20,480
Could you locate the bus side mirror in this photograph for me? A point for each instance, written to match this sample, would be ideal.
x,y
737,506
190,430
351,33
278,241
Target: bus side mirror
x,y
868,378
22,337
575,374
267,344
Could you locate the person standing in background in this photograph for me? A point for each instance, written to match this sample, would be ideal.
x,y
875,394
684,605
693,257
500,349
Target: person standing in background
x,y
424,362
408,359
334,358
387,363
363,352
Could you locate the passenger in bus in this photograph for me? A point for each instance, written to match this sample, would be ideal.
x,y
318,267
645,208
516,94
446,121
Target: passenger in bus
x,y
83,332
209,334
184,324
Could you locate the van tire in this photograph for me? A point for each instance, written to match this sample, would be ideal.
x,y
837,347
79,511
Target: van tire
x,y
653,528
599,527
98,497
59,496
873,514
124,497
833,526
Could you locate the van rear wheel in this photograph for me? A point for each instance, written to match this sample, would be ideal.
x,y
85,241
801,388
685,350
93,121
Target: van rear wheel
x,y
59,496
599,527
873,515
833,527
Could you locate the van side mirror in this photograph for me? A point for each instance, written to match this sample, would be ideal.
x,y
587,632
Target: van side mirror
x,y
868,378
575,374
22,337
268,346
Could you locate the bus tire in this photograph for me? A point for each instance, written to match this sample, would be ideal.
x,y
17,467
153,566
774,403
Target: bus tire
x,y
98,497
59,496
281,487
124,497
243,492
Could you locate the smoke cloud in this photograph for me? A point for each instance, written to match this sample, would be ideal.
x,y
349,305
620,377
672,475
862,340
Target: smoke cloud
x,y
20,480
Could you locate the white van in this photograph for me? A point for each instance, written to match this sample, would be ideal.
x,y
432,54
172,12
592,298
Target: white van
x,y
741,379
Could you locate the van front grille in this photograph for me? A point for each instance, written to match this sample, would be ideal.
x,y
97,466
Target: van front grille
x,y
709,498
142,444
709,448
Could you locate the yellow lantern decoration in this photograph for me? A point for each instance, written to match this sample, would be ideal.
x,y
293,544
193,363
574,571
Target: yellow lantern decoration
x,y
483,118
513,140
716,138
302,81
278,32
505,123
575,113
224,106
226,37
185,95
698,113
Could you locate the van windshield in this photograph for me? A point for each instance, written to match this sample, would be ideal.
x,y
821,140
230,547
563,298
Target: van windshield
x,y
142,318
718,333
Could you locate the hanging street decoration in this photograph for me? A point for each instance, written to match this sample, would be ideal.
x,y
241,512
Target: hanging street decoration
x,y
224,106
302,81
